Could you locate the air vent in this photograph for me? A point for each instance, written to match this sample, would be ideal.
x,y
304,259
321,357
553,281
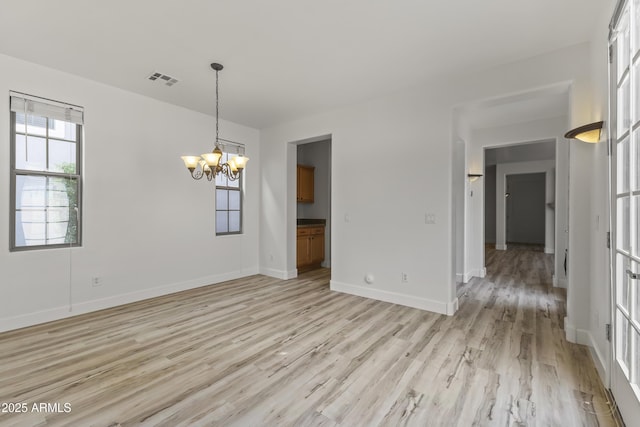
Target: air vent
x,y
163,78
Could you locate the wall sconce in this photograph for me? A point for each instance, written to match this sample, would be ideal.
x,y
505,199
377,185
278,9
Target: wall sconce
x,y
474,176
587,133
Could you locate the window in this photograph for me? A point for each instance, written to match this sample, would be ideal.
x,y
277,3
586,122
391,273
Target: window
x,y
624,132
46,182
228,200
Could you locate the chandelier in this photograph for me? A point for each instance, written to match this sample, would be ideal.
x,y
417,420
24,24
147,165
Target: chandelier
x,y
208,164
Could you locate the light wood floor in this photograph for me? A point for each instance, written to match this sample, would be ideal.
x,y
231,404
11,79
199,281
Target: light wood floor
x,y
266,352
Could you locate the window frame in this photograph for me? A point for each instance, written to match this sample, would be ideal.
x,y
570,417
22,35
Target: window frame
x,y
240,190
15,173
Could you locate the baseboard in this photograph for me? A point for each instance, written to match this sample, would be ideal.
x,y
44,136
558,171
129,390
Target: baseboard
x,y
58,313
480,272
569,331
549,251
584,337
576,335
279,274
559,283
396,298
599,360
501,247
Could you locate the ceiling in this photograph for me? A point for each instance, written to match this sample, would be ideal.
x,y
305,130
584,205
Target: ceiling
x,y
285,59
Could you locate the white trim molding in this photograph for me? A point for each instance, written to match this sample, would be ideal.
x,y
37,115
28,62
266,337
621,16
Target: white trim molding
x,y
584,337
575,335
448,308
58,313
279,274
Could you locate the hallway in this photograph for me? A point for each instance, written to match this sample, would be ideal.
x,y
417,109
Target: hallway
x,y
542,378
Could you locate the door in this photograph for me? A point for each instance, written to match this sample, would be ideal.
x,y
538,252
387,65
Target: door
x,y
526,208
625,208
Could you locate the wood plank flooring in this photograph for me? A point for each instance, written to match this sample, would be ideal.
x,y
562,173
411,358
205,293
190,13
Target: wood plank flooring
x,y
266,352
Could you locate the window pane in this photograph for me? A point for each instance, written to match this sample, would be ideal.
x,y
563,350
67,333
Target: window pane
x,y
60,192
636,20
30,210
623,165
636,239
57,225
36,125
624,116
31,155
30,192
234,184
635,181
635,310
62,130
234,221
222,222
67,214
622,282
636,376
62,156
622,342
636,95
623,44
234,200
45,211
222,200
622,236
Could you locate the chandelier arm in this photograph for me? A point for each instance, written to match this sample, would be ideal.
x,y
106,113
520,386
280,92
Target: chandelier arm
x,y
197,174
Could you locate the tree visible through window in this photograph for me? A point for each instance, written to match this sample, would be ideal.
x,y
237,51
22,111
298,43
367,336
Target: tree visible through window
x,y
45,174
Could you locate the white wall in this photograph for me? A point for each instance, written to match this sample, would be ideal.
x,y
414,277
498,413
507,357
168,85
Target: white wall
x,y
459,189
148,228
414,127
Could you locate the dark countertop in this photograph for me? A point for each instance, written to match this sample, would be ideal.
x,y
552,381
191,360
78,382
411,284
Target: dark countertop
x,y
311,221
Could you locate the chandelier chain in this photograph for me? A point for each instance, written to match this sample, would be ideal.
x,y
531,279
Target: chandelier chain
x,y
217,105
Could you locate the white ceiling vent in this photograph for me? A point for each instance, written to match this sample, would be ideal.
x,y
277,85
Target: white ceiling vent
x,y
162,78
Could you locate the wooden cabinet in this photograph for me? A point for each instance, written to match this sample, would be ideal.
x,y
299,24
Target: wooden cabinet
x,y
310,247
305,184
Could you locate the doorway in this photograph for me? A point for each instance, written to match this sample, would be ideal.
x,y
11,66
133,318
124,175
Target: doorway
x,y
313,209
525,209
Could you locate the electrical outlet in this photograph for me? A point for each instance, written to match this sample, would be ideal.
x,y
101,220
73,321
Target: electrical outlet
x,y
429,218
404,278
96,281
